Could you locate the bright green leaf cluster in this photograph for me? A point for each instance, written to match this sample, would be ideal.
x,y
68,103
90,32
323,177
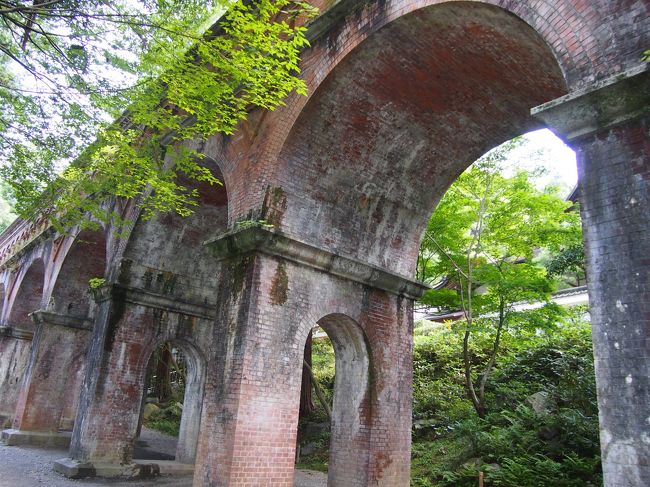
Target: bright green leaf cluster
x,y
192,79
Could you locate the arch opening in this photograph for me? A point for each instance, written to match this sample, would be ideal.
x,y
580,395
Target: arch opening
x,y
172,400
85,260
401,116
28,297
342,359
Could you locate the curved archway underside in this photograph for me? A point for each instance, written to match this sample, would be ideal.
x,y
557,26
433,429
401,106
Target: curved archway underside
x,y
401,117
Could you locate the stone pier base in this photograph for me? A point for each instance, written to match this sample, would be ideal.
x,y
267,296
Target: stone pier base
x,y
14,437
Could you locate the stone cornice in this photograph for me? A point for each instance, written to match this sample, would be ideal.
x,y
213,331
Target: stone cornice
x,y
274,243
602,105
151,299
18,333
42,317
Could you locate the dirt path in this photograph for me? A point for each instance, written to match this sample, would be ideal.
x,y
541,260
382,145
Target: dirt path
x,y
32,467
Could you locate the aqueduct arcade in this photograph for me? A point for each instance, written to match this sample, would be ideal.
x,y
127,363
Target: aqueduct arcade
x,y
403,96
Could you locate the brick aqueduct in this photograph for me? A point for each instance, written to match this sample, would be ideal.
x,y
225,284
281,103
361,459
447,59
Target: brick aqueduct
x,y
404,94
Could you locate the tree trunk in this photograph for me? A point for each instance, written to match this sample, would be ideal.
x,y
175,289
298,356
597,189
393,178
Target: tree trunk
x,y
307,405
163,369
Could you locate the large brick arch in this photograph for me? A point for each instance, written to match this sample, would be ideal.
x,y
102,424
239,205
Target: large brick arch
x,y
586,40
399,118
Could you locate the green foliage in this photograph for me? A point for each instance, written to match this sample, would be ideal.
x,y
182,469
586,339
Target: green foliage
x,y
96,282
480,243
568,264
513,445
181,81
7,215
167,420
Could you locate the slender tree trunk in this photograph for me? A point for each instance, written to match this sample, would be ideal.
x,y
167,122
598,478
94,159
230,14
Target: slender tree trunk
x,y
469,384
307,405
493,354
163,369
319,392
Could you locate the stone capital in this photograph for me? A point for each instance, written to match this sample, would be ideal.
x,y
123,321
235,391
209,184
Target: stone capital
x,y
602,105
274,243
17,333
150,299
42,317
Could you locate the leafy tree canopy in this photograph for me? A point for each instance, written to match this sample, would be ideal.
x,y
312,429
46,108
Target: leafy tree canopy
x,y
480,243
162,68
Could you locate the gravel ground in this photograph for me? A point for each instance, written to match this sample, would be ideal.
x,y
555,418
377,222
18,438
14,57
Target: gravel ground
x,y
32,467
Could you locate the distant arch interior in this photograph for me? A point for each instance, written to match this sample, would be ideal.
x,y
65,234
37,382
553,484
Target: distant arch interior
x,y
85,260
28,297
338,361
171,403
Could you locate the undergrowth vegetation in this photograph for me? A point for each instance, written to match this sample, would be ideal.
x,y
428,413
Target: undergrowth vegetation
x,y
542,423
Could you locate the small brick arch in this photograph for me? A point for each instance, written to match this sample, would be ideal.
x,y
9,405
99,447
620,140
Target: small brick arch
x,y
27,295
85,259
193,398
349,443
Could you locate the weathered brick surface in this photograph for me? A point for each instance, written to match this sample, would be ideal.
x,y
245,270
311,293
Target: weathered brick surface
x,y
615,184
404,94
266,308
50,381
14,356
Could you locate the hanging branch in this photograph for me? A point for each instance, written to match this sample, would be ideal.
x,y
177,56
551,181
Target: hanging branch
x,y
319,391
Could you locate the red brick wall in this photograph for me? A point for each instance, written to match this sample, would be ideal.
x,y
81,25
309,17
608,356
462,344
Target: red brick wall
x,y
266,309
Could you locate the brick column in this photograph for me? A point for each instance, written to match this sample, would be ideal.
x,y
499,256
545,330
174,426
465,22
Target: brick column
x,y
272,291
608,126
15,346
111,396
248,426
129,323
58,350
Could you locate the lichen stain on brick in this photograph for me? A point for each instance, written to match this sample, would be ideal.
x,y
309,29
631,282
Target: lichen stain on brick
x,y
280,285
118,308
364,201
274,206
238,270
383,462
